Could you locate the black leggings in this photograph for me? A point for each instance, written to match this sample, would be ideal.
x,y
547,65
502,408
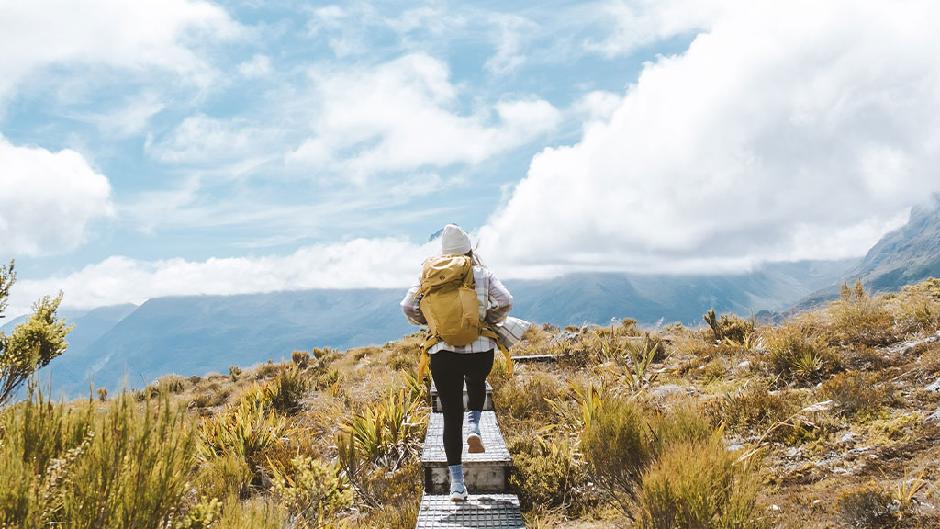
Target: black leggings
x,y
449,371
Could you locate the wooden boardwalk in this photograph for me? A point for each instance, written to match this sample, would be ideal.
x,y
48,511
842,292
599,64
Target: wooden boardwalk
x,y
489,506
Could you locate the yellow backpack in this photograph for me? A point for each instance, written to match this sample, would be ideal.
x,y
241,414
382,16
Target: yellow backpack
x,y
449,304
449,299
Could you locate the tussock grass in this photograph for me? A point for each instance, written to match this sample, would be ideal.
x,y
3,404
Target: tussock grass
x,y
330,439
698,484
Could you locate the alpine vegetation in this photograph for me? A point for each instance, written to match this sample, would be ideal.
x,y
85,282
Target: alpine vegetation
x,y
732,424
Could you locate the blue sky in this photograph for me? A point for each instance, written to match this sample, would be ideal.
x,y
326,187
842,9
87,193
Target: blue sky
x,y
158,148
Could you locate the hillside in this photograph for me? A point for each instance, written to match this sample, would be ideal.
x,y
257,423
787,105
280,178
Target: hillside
x,y
827,420
197,334
904,256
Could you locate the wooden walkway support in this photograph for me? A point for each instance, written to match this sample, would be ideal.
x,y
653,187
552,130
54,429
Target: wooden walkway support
x,y
486,475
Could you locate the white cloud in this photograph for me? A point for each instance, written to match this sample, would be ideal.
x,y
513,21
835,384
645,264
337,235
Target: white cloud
x,y
509,43
357,263
404,115
128,119
123,34
788,130
637,23
258,66
203,139
47,199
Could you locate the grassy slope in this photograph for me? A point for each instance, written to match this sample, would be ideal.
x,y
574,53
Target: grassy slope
x,y
871,449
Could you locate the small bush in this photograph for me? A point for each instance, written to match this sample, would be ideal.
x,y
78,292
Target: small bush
x,y
796,357
854,393
266,370
127,467
312,489
234,372
102,394
750,408
300,359
685,423
530,397
244,430
223,476
548,472
867,506
287,388
730,327
615,443
859,318
697,485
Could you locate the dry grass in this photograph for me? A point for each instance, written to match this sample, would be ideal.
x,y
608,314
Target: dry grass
x,y
330,438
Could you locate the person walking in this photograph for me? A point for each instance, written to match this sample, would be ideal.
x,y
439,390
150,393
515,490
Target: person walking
x,y
461,301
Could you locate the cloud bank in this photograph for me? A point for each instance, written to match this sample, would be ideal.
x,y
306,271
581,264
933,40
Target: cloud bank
x,y
787,130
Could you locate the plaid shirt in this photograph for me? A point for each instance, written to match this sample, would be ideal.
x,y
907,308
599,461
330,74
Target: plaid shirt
x,y
495,303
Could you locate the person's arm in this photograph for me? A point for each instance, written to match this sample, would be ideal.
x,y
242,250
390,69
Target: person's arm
x,y
410,305
500,301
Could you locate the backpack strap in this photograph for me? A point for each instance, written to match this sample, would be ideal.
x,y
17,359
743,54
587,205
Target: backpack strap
x,y
490,333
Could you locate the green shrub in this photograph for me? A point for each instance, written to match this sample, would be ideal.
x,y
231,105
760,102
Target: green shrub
x,y
529,397
386,434
202,515
548,472
685,423
750,408
859,318
615,443
697,485
312,489
223,476
796,357
243,430
287,388
731,328
127,467
33,344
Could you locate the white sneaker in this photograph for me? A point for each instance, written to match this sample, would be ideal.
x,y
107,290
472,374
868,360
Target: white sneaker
x,y
475,443
458,493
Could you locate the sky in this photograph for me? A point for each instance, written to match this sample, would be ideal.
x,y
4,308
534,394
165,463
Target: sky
x,y
176,147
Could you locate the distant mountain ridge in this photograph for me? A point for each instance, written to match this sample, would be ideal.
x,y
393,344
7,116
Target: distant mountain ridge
x,y
192,335
904,256
196,334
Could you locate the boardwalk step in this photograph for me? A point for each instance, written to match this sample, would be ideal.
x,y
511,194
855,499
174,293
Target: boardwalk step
x,y
492,511
487,404
486,472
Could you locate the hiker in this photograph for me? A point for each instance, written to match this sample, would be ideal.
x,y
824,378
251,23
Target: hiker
x,y
469,358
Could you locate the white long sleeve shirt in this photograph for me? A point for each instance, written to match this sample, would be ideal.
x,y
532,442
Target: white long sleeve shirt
x,y
495,304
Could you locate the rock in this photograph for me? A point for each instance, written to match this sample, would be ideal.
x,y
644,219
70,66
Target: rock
x,y
849,437
669,390
935,387
744,365
775,508
734,447
565,336
934,417
825,405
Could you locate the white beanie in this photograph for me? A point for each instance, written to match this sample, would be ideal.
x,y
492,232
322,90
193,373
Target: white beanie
x,y
454,240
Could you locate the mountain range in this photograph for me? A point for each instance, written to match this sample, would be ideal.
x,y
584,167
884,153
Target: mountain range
x,y
192,335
